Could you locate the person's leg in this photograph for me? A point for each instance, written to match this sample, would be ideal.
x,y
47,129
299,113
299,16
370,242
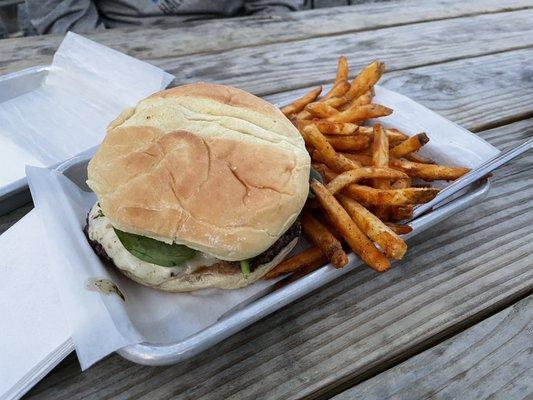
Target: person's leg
x,y
8,16
3,31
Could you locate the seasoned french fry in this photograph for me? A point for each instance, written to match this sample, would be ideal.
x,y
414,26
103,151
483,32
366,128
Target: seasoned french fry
x,y
324,219
415,157
333,102
399,229
359,101
401,213
320,110
311,256
349,143
358,113
394,135
339,163
324,240
428,172
349,230
370,196
306,270
354,175
393,246
335,128
303,115
368,172
380,158
380,148
337,90
389,197
325,151
364,159
318,141
299,273
342,70
400,183
298,105
412,144
366,79
365,98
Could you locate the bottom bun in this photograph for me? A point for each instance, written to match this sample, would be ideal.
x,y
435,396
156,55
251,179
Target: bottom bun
x,y
201,272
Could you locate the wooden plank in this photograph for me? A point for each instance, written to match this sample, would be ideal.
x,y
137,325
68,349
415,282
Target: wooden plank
x,y
490,360
469,266
476,93
277,67
224,34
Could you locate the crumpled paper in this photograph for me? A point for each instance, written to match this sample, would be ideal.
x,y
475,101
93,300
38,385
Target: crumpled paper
x,y
103,323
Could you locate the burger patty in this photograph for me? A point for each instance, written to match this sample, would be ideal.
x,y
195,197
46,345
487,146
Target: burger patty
x,y
268,255
265,257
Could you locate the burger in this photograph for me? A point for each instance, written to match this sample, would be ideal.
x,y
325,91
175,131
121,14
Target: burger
x,y
198,186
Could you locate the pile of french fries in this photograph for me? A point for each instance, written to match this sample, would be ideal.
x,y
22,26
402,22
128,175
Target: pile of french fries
x,y
366,188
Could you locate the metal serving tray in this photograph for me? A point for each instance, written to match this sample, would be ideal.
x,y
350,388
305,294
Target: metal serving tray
x,y
16,194
269,301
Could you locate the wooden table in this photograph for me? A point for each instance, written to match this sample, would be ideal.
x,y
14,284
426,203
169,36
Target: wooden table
x,y
454,318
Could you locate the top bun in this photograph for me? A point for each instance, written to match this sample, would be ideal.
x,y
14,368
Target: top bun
x,y
208,166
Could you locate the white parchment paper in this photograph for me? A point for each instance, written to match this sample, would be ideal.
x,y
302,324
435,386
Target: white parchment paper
x,y
86,87
103,323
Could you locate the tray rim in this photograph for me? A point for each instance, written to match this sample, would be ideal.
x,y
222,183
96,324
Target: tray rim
x,y
155,354
16,193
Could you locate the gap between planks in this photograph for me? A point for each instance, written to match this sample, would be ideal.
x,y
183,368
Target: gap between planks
x,y
489,360
313,84
282,28
452,331
355,30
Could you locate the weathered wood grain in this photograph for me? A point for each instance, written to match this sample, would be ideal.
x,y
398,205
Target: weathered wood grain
x,y
492,359
476,93
273,68
474,84
218,35
470,265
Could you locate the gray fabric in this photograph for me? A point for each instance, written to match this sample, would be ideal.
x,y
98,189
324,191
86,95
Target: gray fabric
x,y
3,30
60,16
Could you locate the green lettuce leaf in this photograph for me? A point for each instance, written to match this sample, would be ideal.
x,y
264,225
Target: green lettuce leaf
x,y
245,268
314,174
154,251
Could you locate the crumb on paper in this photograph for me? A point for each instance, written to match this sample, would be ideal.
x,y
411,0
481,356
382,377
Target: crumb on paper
x,y
104,286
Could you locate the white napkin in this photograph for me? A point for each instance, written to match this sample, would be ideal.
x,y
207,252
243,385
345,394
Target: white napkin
x,y
35,335
87,87
158,317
